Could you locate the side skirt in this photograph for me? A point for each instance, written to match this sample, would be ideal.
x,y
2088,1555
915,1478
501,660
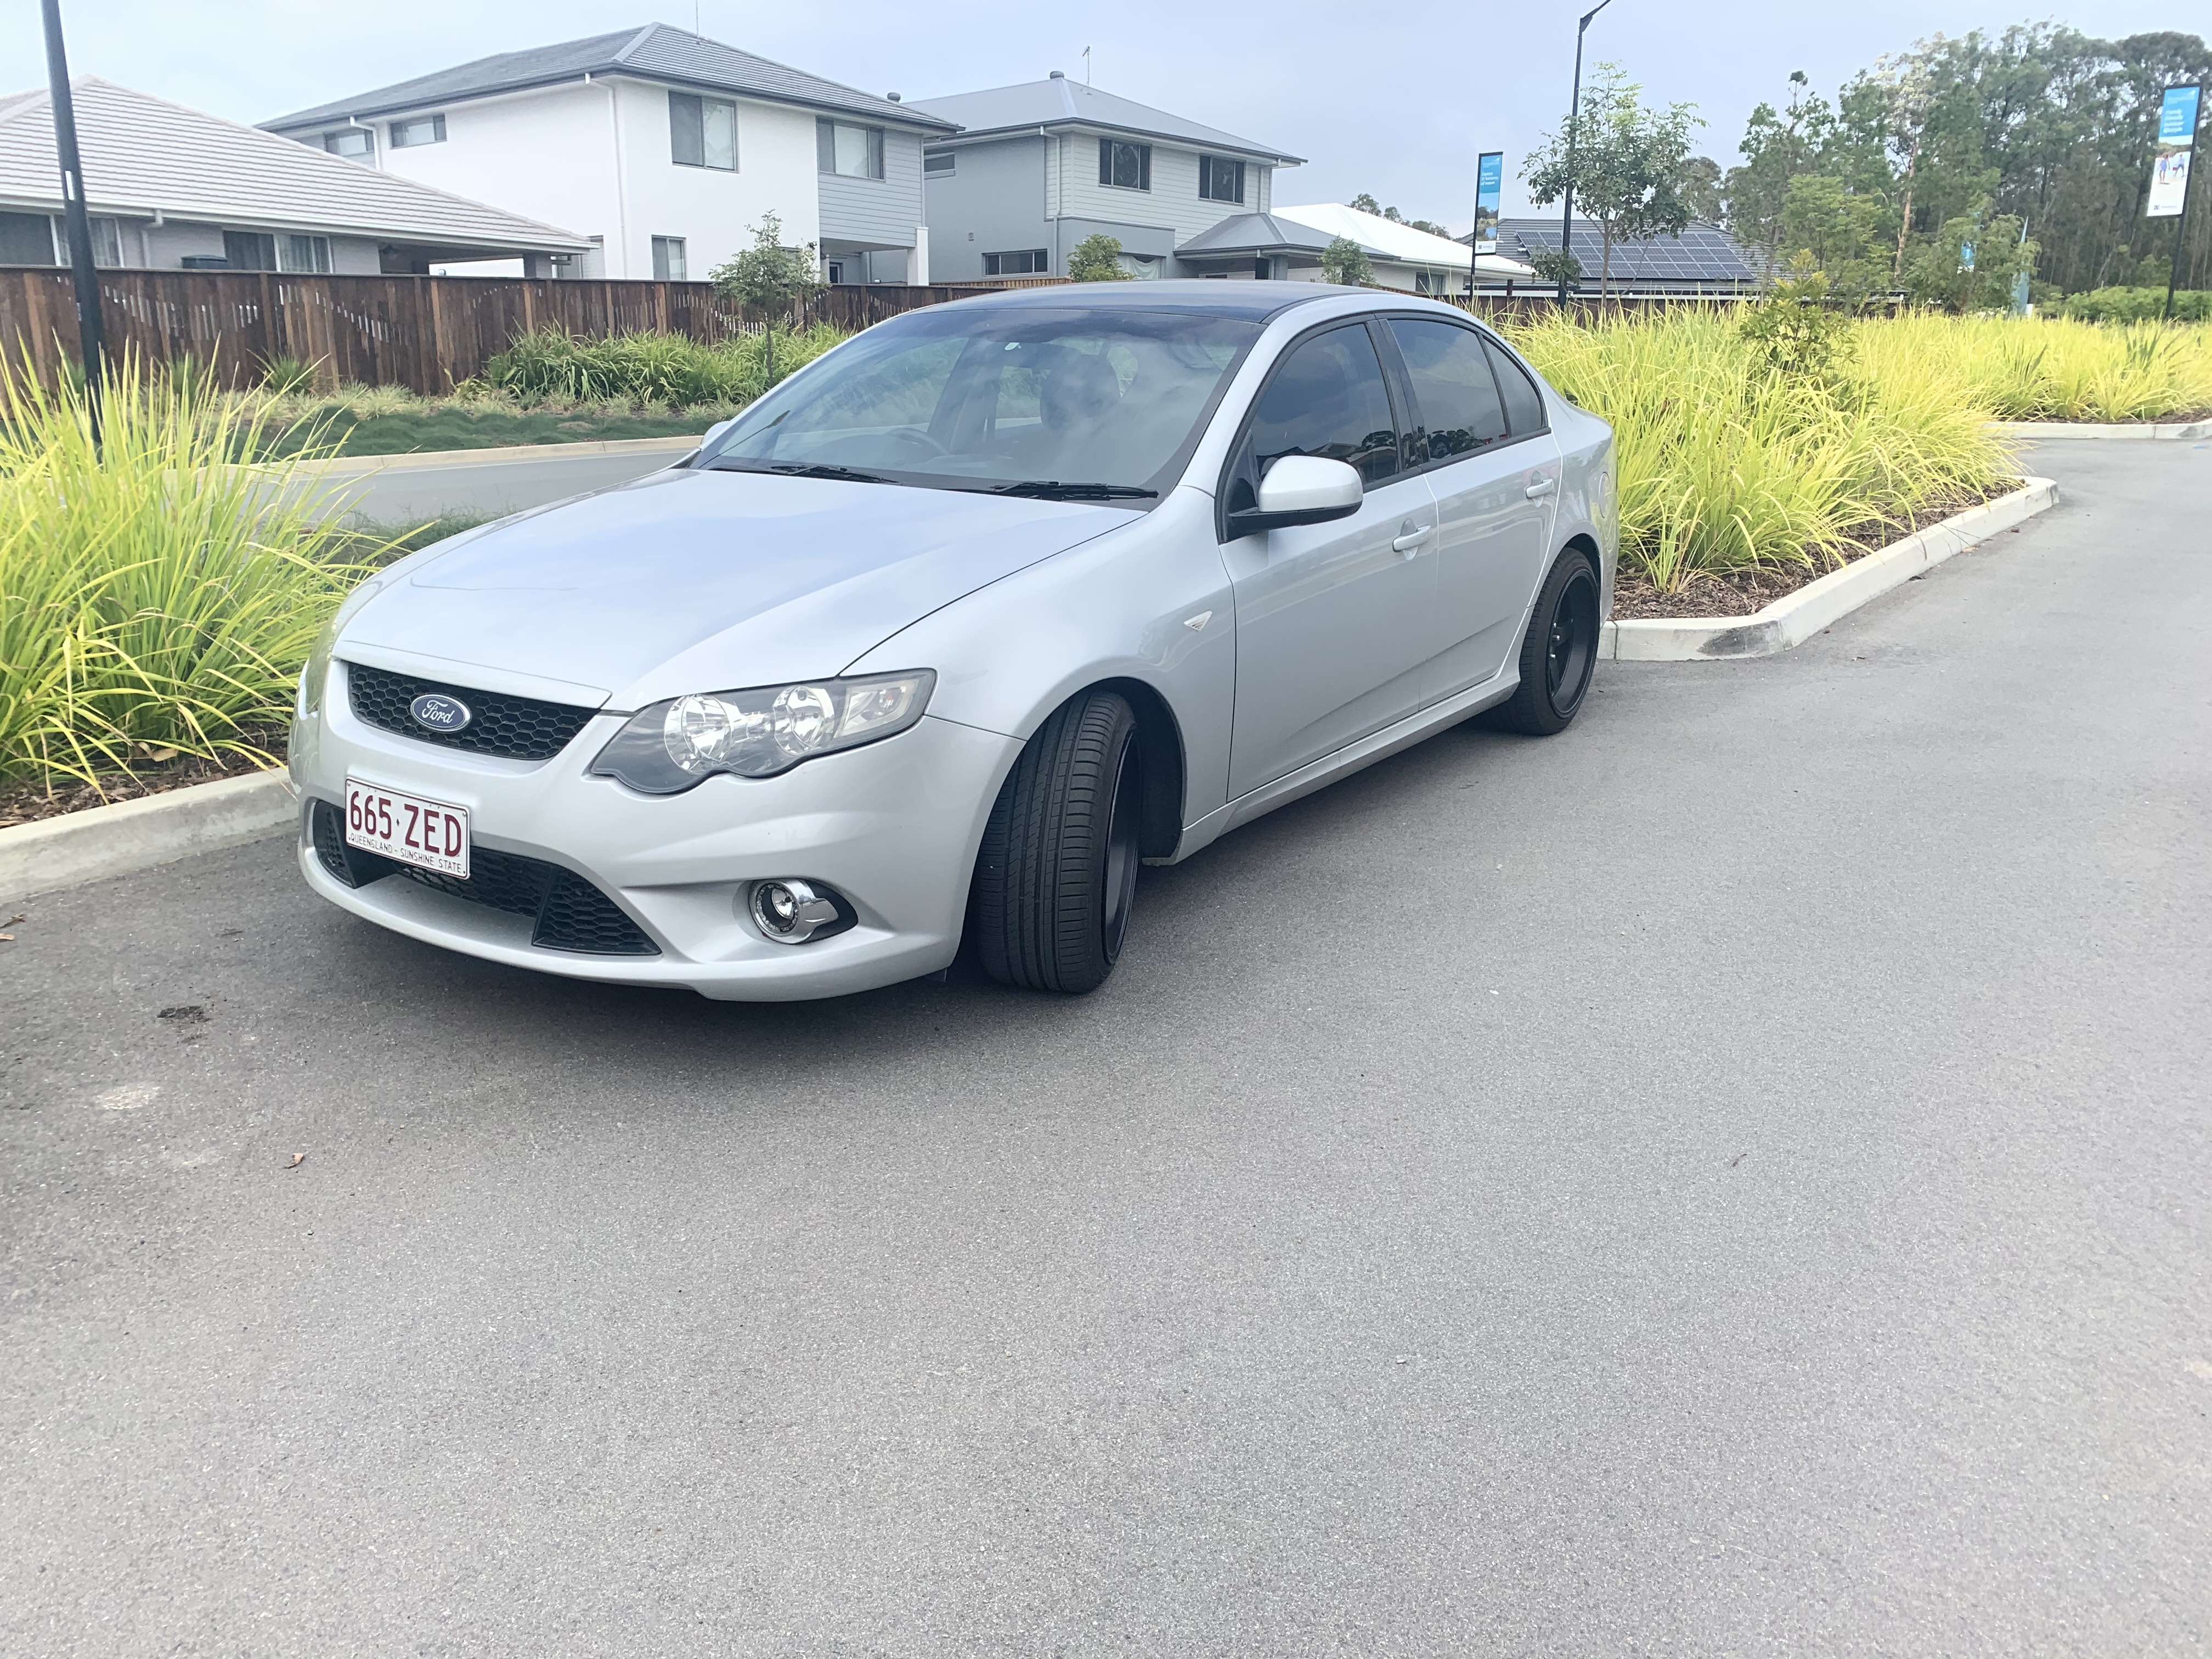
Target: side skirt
x,y
1342,762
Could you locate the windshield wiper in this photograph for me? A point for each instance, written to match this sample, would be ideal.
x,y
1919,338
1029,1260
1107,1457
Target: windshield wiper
x,y
799,470
1051,489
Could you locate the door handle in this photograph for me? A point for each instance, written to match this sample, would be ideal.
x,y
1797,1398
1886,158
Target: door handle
x,y
1540,488
1410,543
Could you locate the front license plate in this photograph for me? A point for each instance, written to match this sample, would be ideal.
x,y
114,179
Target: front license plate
x,y
427,834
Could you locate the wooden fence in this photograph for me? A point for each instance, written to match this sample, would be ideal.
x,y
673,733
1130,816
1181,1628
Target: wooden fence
x,y
429,333
424,332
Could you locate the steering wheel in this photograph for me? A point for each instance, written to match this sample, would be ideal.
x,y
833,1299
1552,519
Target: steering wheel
x,y
915,435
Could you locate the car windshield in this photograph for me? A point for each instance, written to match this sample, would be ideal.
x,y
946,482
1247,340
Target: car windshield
x,y
1081,404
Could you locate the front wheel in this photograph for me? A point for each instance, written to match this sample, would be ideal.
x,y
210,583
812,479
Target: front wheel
x,y
1056,877
1559,654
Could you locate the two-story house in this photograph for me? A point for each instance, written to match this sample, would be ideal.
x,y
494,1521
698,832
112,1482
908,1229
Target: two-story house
x,y
665,147
1036,168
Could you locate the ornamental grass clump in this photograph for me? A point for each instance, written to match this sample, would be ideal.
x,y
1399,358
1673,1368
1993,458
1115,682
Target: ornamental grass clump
x,y
153,597
2034,368
551,366
1731,455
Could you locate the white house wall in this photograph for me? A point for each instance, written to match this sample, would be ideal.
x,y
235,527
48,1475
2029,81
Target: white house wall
x,y
712,209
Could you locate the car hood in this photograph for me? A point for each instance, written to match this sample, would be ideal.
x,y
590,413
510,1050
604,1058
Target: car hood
x,y
703,580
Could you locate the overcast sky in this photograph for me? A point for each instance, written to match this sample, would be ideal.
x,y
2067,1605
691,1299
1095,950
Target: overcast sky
x,y
1395,99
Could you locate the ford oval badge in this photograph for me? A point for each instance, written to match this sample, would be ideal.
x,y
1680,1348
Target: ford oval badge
x,y
435,712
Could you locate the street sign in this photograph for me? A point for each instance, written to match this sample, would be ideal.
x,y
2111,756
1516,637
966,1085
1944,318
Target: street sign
x,y
2176,137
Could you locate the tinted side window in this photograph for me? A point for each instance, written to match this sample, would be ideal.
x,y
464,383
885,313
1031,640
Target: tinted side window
x,y
1327,397
1453,387
1524,404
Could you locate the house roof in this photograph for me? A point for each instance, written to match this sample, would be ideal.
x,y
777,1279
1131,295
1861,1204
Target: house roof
x,y
654,52
1703,253
1059,102
1386,239
143,155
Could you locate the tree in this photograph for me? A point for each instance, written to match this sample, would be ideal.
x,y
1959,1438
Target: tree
x,y
1938,273
1556,265
1625,169
770,277
1840,234
1363,203
1097,259
1700,189
1778,146
1345,263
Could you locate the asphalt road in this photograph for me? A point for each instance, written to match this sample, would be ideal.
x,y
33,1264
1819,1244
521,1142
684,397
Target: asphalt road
x,y
1730,1180
408,490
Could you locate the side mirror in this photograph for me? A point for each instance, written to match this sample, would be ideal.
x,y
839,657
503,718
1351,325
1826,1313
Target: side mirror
x,y
1301,489
714,431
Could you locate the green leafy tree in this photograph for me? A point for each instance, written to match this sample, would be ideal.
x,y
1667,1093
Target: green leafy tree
x,y
769,278
1556,265
1363,203
1937,273
1796,325
1625,165
1842,234
1778,145
1097,259
1700,189
1345,263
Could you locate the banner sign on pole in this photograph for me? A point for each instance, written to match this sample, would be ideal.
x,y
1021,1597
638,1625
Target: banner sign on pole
x,y
1488,174
2177,137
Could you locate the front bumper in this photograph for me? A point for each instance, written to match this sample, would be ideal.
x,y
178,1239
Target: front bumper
x,y
892,826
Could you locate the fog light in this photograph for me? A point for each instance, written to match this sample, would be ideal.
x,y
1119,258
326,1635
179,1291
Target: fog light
x,y
792,912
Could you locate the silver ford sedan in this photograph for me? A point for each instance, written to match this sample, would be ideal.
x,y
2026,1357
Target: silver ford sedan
x,y
950,633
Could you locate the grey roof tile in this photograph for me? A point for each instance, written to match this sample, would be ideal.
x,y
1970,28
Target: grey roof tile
x,y
656,52
1059,102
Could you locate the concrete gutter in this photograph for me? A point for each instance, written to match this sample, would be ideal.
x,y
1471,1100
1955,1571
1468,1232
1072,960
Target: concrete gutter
x,y
1796,618
2139,430
138,834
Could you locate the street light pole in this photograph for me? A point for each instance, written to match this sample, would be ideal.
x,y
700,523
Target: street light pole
x,y
1574,121
79,226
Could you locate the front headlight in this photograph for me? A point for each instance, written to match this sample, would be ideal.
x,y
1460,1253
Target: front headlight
x,y
668,748
317,672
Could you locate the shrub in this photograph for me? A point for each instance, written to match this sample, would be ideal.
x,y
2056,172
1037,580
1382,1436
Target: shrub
x,y
2138,305
550,366
1345,263
284,376
1096,258
150,595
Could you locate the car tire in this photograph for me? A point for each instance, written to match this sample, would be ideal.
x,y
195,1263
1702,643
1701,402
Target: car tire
x,y
1057,873
1559,654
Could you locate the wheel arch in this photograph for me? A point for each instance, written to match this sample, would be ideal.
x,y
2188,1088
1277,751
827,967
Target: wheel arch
x,y
1159,738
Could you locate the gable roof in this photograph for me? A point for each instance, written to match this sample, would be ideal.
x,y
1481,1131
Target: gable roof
x,y
1060,102
654,52
143,155
1703,254
1280,232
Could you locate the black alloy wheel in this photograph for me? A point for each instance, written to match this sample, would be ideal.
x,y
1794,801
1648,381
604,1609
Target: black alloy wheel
x,y
1056,875
1559,654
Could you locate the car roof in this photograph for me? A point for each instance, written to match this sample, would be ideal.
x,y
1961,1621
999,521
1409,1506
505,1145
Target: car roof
x,y
1249,301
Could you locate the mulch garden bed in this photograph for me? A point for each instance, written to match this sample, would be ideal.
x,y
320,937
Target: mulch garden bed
x,y
28,801
1744,592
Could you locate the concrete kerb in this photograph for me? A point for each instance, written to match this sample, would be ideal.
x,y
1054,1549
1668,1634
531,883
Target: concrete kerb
x,y
138,834
2139,431
1796,618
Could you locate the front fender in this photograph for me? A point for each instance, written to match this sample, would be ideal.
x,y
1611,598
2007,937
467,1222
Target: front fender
x,y
1150,602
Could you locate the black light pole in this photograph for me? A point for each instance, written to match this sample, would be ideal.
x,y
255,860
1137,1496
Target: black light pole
x,y
1574,120
79,226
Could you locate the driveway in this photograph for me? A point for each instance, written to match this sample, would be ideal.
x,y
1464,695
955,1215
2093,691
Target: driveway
x,y
1730,1180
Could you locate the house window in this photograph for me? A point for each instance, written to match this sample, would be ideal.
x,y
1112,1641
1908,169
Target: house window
x,y
249,250
1125,166
422,129
355,143
668,264
849,151
107,242
939,164
1029,262
308,254
1220,180
703,132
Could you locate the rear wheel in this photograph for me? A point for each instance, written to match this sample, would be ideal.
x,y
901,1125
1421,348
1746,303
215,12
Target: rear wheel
x,y
1057,874
1559,654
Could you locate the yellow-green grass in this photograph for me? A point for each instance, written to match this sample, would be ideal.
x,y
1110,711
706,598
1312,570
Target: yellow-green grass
x,y
2054,368
151,596
1725,462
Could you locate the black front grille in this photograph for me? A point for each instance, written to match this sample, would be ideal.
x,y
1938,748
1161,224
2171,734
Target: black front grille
x,y
570,913
517,728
